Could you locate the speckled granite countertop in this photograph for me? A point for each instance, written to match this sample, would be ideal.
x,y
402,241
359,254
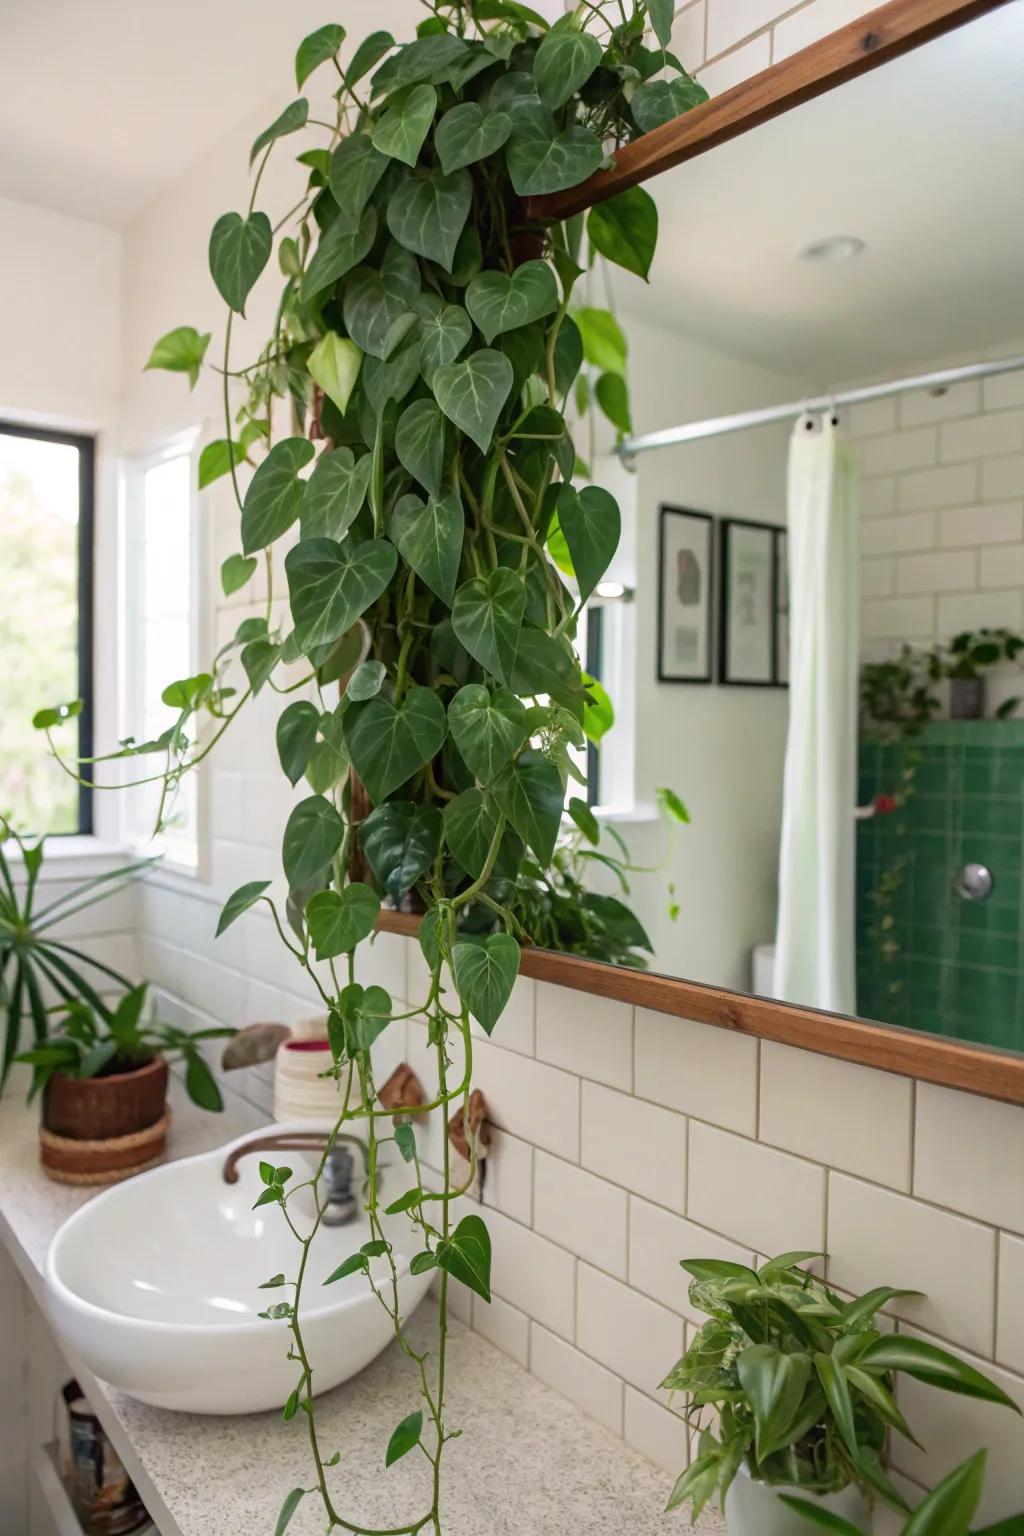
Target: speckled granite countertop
x,y
527,1464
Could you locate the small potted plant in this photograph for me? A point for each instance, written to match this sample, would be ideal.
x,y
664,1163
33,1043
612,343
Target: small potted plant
x,y
946,1511
103,1079
801,1384
37,956
967,657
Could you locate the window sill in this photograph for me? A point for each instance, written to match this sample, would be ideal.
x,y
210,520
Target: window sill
x,y
67,856
627,815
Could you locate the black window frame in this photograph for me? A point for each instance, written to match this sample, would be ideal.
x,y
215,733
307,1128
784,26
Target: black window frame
x,y
86,447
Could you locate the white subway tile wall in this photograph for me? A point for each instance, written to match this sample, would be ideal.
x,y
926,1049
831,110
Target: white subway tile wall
x,y
942,510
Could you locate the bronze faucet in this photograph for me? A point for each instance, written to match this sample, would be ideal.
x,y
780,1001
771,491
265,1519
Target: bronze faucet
x,y
342,1205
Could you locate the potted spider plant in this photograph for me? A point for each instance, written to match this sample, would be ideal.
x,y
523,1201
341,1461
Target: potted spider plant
x,y
37,959
801,1384
103,1081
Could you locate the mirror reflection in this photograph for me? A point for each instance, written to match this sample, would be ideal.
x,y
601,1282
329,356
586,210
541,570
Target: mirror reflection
x,y
813,629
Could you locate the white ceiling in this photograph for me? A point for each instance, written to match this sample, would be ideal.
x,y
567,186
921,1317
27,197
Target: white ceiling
x,y
106,102
923,159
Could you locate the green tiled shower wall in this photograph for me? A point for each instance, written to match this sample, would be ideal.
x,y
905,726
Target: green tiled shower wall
x,y
926,958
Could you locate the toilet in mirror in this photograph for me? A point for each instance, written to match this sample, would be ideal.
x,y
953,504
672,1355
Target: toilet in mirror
x,y
813,633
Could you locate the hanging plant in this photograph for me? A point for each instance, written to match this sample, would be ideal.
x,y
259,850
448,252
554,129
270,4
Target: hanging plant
x,y
426,343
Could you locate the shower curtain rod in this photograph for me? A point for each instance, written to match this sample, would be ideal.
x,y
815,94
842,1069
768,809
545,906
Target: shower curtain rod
x,y
717,426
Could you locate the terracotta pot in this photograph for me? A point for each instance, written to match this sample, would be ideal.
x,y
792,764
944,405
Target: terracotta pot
x,y
98,1108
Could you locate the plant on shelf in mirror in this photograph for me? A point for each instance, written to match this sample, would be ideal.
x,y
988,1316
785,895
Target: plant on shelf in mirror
x,y
425,341
966,660
801,1384
37,958
947,1511
83,1044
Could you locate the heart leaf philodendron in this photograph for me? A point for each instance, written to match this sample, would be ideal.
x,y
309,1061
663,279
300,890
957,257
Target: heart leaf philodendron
x,y
438,538
802,1384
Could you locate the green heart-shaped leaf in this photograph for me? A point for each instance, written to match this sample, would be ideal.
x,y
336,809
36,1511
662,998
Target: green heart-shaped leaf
x,y
465,135
316,49
541,159
422,60
259,658
565,60
334,364
356,168
428,212
240,901
444,331
392,378
331,585
590,521
338,921
485,973
182,351
403,127
501,303
366,680
419,443
239,250
487,728
604,344
312,836
296,735
487,616
612,394
662,14
294,117
470,822
659,101
235,572
472,392
370,51
343,245
335,492
401,840
274,496
388,744
514,93
429,538
216,460
466,1255
404,1438
625,230
377,303
530,793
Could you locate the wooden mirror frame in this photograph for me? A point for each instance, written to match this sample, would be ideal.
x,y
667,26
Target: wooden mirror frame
x,y
874,39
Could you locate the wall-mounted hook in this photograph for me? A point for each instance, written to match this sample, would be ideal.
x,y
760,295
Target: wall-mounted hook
x,y
403,1092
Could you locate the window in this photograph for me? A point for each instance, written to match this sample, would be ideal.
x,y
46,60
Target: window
x,y
163,638
604,644
46,512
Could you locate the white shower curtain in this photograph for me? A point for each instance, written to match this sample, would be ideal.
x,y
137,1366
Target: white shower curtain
x,y
815,937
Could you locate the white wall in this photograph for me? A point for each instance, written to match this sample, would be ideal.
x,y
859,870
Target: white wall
x,y
942,503
700,739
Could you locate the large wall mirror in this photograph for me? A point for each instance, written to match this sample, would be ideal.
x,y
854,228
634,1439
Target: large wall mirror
x,y
866,237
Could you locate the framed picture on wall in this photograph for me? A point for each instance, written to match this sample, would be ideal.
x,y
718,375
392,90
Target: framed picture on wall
x,y
781,608
747,605
685,575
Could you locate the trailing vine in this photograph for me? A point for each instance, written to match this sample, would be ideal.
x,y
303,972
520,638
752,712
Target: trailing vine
x,y
426,343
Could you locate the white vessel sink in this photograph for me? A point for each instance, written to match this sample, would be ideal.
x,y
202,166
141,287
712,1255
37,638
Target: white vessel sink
x,y
155,1285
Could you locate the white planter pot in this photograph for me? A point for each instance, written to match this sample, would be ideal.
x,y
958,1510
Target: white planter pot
x,y
755,1509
